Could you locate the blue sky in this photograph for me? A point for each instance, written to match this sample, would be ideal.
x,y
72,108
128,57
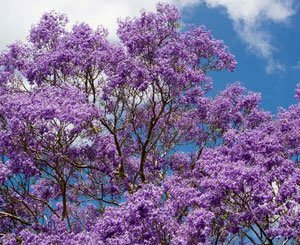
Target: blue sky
x,y
277,86
262,34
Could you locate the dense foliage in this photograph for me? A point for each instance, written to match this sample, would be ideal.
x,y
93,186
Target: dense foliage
x,y
119,143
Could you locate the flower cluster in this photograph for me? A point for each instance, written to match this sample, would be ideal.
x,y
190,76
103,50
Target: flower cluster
x,y
119,143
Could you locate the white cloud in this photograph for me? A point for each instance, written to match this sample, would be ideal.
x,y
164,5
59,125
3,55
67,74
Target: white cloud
x,y
251,11
17,16
248,18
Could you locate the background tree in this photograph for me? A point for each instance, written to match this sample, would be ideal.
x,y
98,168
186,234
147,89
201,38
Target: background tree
x,y
95,133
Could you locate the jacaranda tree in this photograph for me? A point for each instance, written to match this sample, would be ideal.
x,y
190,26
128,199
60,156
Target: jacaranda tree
x,y
118,142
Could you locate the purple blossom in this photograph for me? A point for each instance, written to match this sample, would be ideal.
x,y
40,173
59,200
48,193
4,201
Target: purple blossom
x,y
119,143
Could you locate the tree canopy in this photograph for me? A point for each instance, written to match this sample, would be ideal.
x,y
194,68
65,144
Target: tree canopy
x,y
119,142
